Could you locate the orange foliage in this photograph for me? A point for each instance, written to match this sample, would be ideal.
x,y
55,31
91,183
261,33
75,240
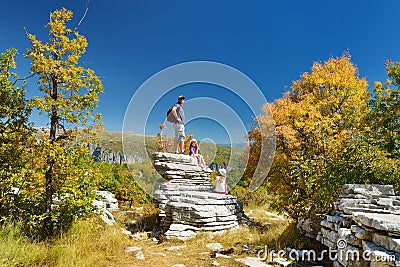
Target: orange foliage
x,y
322,113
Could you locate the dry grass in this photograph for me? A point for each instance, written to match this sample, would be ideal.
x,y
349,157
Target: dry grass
x,y
91,243
196,253
88,243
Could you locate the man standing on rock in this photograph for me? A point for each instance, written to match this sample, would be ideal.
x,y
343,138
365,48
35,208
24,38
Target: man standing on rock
x,y
179,125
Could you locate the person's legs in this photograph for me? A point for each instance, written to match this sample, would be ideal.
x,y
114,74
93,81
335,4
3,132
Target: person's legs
x,y
181,137
198,160
176,139
203,162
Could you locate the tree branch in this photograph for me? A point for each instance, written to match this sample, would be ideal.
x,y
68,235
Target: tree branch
x,y
24,79
84,15
27,36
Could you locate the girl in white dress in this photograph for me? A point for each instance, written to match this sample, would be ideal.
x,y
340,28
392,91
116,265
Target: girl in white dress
x,y
221,186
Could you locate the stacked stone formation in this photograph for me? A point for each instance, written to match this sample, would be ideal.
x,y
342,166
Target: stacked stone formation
x,y
187,201
366,224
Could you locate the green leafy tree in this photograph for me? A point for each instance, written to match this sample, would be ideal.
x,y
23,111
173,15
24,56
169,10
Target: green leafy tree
x,y
385,117
70,95
14,130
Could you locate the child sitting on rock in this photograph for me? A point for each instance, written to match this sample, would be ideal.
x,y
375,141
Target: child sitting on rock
x,y
221,187
194,152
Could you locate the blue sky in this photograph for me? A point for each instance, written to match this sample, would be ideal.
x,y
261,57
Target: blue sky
x,y
272,42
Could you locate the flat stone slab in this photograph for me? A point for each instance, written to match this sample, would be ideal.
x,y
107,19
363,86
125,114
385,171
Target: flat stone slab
x,y
185,159
253,262
381,255
175,248
384,222
361,233
215,246
387,242
368,189
377,210
132,249
177,167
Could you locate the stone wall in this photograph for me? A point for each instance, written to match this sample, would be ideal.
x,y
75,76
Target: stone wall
x,y
366,224
187,200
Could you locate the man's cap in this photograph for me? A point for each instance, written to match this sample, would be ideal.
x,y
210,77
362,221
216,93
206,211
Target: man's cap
x,y
222,171
181,97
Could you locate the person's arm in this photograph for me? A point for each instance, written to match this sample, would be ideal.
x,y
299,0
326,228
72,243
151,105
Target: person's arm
x,y
175,114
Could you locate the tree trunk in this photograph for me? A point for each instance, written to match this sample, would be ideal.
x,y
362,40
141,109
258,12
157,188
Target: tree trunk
x,y
48,226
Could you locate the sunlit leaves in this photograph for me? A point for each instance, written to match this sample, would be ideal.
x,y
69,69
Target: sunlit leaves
x,y
321,127
57,64
69,98
15,134
386,111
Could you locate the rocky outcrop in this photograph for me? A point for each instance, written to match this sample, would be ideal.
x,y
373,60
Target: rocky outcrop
x,y
187,200
105,155
105,203
365,230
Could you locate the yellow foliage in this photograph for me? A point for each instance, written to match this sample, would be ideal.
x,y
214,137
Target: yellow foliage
x,y
324,111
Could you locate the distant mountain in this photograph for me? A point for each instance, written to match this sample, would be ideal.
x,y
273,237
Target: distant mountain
x,y
133,143
217,153
238,145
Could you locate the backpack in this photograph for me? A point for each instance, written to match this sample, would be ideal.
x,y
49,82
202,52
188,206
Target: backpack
x,y
170,115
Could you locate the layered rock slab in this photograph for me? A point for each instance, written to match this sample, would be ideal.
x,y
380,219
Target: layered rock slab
x,y
366,224
187,199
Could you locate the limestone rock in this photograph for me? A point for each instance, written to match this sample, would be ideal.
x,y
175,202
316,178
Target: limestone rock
x,y
105,205
380,256
215,247
368,189
139,255
361,233
218,255
253,262
384,222
309,226
215,263
125,232
366,225
109,199
351,256
132,249
157,253
187,200
282,261
181,235
107,217
175,248
386,242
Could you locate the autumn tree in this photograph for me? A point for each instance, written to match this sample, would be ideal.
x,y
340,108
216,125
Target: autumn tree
x,y
70,95
321,127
